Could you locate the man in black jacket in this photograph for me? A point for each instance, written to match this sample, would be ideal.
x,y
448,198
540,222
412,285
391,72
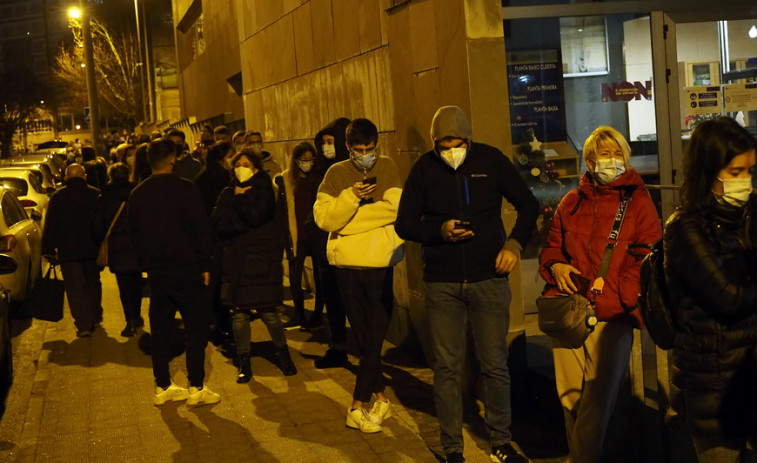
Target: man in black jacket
x,y
451,204
71,237
169,229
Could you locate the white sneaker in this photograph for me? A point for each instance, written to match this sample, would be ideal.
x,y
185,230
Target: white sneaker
x,y
172,392
204,396
380,411
358,419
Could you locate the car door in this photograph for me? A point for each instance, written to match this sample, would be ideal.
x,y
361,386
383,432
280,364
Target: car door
x,y
28,233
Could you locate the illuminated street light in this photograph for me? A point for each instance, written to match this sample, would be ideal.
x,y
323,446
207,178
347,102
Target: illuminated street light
x,y
89,64
74,12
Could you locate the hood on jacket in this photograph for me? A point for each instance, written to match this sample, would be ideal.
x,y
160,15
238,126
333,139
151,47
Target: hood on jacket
x,y
450,121
337,129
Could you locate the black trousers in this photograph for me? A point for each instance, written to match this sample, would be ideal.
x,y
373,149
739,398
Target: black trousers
x,y
130,292
368,297
84,292
181,289
334,306
296,266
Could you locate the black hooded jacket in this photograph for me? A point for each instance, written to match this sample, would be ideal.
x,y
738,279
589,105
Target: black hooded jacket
x,y
337,129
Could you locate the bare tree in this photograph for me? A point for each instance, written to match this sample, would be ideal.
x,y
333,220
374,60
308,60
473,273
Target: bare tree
x,y
116,56
21,96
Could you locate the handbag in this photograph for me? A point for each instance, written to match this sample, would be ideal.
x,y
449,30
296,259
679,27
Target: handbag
x,y
47,297
570,319
102,253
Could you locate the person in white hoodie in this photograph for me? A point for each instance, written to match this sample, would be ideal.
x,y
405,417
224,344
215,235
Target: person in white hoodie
x,y
357,205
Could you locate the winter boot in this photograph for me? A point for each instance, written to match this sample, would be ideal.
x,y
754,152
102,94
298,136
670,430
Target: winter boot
x,y
285,361
245,369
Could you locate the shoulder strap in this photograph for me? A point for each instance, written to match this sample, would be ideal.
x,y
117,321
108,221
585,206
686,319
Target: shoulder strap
x,y
612,241
114,219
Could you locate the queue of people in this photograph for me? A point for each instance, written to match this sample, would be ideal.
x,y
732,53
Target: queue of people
x,y
210,227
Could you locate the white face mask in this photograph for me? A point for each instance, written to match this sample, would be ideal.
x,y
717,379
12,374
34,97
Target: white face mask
x,y
329,151
304,166
257,148
243,173
607,171
454,156
736,191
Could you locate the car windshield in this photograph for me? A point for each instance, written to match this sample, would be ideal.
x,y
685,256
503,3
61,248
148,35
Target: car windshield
x,y
52,144
17,185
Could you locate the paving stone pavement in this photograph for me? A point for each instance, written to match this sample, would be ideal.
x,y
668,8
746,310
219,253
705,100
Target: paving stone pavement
x,y
90,400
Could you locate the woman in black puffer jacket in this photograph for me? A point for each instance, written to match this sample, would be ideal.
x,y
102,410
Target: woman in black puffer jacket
x,y
123,259
252,273
711,268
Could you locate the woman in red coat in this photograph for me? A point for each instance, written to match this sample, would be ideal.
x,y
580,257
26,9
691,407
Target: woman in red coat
x,y
588,377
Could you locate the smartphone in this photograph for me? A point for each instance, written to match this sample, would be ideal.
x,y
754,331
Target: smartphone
x,y
462,225
369,181
582,284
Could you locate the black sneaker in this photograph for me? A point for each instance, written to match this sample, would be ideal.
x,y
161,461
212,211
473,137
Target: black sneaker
x,y
334,358
130,330
506,453
455,457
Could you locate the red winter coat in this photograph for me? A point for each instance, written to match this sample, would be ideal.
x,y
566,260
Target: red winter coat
x,y
578,236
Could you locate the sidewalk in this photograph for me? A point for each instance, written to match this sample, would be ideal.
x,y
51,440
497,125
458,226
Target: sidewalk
x,y
90,400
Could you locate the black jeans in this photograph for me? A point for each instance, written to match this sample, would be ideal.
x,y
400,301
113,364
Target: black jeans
x,y
84,292
368,297
296,266
334,305
181,289
130,291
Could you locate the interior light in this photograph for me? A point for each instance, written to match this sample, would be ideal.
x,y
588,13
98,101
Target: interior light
x,y
753,32
83,65
78,127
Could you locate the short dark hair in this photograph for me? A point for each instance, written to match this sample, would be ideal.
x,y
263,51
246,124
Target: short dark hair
x,y
118,171
239,133
160,152
362,132
713,145
217,152
249,154
221,130
177,133
252,132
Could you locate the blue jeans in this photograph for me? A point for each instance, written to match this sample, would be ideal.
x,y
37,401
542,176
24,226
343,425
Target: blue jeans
x,y
486,305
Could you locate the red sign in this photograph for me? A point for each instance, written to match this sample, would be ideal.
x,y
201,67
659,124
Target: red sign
x,y
626,91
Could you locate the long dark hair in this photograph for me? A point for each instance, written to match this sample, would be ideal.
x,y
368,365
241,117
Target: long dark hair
x,y
713,145
141,169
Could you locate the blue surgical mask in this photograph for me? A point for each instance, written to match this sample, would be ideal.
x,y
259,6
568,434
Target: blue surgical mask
x,y
364,161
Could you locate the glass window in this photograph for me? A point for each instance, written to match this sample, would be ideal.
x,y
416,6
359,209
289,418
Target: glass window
x,y
566,77
35,179
10,211
18,186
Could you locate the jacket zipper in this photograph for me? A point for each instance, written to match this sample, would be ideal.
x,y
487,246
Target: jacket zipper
x,y
462,217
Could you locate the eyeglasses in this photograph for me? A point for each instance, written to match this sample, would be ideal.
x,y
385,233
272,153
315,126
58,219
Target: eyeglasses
x,y
364,151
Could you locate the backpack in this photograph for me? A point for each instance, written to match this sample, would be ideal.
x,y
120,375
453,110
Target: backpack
x,y
654,300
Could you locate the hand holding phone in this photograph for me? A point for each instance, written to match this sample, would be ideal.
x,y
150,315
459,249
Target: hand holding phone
x,y
456,230
462,225
369,181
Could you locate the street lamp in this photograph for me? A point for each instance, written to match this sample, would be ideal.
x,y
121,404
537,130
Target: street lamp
x,y
89,64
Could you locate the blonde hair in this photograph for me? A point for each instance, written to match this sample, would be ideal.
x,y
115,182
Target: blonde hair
x,y
605,135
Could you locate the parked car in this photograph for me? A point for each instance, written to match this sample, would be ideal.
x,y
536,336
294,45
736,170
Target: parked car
x,y
20,239
52,161
7,265
42,172
28,190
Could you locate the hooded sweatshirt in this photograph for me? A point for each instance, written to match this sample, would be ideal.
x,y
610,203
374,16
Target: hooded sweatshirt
x,y
435,192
